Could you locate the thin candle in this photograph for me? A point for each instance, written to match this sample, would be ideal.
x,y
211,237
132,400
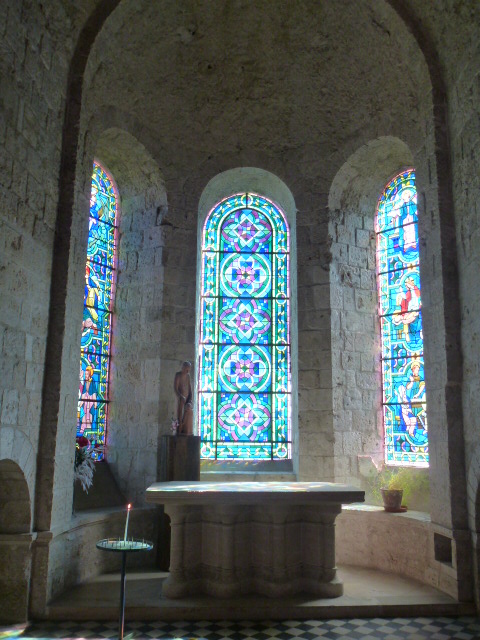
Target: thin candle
x,y
129,506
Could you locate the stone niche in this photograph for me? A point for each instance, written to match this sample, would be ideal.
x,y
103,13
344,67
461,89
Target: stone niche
x,y
15,543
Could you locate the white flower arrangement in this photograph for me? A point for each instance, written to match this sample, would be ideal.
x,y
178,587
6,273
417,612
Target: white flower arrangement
x,y
84,465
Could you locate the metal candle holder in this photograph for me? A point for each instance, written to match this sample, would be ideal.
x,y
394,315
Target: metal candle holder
x,y
120,545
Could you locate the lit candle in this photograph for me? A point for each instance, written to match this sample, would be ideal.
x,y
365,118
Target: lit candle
x,y
129,506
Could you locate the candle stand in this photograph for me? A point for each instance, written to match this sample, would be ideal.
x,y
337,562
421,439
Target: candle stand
x,y
122,546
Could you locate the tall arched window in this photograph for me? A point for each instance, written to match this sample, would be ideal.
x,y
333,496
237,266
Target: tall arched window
x,y
244,381
98,307
400,308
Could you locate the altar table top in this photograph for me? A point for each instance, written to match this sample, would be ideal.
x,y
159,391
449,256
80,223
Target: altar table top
x,y
253,493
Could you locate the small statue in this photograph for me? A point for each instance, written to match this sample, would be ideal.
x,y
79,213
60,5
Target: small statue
x,y
183,391
188,419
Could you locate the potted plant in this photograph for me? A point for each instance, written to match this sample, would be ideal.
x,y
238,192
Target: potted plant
x,y
395,486
392,494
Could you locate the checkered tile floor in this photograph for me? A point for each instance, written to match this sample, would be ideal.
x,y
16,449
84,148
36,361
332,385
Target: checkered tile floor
x,y
464,628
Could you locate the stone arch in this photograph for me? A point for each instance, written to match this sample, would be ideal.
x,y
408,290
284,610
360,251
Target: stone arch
x,y
137,340
15,540
353,195
16,449
61,251
136,333
448,283
15,516
269,185
258,180
363,175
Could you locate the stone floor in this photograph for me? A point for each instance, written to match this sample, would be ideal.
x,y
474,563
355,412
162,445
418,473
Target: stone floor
x,y
367,593
427,628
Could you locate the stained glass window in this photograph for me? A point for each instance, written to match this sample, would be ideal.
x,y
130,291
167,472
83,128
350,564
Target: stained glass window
x,y
400,308
97,311
244,386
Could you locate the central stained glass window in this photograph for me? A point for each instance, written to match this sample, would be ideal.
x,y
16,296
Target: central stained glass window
x,y
244,381
400,302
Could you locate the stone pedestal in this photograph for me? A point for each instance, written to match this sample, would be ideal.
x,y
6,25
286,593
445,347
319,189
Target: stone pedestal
x,y
274,539
179,460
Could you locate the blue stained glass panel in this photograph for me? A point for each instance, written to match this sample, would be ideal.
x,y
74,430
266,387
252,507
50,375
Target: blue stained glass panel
x,y
245,275
244,417
244,389
209,274
209,320
98,304
400,303
245,321
244,368
208,374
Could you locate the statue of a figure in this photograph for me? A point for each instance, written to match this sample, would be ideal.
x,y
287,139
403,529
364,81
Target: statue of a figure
x,y
183,391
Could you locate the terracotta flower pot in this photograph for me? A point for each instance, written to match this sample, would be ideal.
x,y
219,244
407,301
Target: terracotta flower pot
x,y
392,499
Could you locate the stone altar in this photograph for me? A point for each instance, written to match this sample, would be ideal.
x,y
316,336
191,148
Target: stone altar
x,y
274,539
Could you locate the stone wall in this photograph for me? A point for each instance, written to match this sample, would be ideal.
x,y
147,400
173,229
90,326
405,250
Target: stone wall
x,y
453,35
462,76
38,40
37,43
463,80
132,439
356,380
357,397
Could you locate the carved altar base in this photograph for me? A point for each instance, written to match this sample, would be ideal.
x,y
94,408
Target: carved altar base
x,y
274,539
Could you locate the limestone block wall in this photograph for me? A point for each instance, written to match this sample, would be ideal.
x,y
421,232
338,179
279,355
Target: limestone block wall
x,y
464,113
355,342
462,79
38,40
132,437
33,67
315,415
178,313
439,32
454,34
356,345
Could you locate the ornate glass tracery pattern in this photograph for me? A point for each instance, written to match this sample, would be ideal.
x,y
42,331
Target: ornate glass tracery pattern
x,y
97,311
244,386
400,308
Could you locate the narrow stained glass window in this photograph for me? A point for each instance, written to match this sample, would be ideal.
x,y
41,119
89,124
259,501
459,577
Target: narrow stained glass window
x,y
97,312
400,308
244,387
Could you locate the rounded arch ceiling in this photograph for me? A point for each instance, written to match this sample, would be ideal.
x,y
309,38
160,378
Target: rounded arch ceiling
x,y
282,86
